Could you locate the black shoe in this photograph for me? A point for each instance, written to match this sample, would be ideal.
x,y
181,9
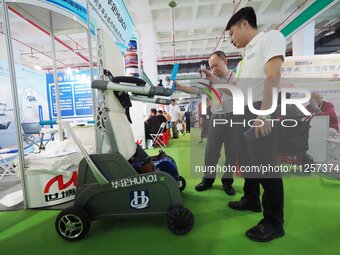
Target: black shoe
x,y
203,185
229,189
265,232
244,204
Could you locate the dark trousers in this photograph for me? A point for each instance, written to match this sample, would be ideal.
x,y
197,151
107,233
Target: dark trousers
x,y
254,153
218,135
174,129
187,126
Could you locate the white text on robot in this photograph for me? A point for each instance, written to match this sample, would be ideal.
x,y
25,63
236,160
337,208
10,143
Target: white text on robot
x,y
134,181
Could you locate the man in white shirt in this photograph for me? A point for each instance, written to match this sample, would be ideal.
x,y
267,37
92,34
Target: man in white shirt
x,y
260,70
175,114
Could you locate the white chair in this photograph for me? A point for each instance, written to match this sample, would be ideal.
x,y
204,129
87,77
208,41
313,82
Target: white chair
x,y
33,130
6,167
157,137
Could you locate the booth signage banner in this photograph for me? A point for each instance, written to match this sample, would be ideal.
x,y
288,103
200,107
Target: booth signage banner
x,y
47,189
72,6
318,73
75,95
114,15
75,7
111,13
318,66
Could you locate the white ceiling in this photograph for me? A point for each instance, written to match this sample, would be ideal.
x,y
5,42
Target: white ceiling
x,y
198,27
30,26
199,23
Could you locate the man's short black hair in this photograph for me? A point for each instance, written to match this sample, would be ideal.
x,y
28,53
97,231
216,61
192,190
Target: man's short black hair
x,y
173,100
246,13
154,111
160,112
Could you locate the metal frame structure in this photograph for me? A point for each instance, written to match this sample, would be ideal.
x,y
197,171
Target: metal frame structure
x,y
13,83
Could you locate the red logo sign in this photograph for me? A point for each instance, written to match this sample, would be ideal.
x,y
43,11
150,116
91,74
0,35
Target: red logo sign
x,y
61,184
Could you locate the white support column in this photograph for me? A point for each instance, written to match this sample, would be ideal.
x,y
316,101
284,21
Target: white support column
x,y
148,40
303,40
55,77
14,88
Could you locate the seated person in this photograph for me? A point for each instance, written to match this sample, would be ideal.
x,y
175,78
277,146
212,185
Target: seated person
x,y
320,107
162,119
152,124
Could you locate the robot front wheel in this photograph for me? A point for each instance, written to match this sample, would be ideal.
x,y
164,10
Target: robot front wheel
x,y
73,223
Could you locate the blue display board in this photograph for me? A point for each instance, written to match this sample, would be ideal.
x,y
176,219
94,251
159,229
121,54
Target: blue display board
x,y
75,95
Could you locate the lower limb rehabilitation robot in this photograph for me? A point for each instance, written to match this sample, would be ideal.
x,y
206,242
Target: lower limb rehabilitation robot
x,y
123,180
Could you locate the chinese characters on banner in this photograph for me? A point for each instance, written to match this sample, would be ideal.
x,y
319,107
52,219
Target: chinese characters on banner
x,y
114,15
319,73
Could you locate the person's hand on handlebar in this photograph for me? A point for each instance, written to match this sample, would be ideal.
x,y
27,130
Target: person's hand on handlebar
x,y
207,73
178,86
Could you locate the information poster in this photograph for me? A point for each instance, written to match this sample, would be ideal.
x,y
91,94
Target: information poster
x,y
32,97
74,93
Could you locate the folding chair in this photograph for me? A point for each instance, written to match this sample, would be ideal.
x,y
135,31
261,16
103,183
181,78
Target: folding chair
x,y
157,138
32,129
6,167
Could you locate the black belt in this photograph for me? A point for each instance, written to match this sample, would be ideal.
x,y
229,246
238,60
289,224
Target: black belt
x,y
222,115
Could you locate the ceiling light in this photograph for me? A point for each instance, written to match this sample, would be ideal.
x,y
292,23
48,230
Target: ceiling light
x,y
330,33
37,67
33,57
69,71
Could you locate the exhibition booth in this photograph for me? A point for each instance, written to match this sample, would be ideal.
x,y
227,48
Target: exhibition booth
x,y
47,68
68,51
79,87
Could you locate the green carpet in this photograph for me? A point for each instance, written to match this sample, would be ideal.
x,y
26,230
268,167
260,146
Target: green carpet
x,y
312,222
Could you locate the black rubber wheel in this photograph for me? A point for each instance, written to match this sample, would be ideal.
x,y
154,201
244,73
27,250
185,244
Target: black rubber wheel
x,y
73,223
180,220
181,183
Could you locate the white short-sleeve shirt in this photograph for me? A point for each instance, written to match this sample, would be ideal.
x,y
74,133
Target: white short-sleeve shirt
x,y
251,69
174,111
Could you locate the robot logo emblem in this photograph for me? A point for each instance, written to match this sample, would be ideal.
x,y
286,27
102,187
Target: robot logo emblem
x,y
139,199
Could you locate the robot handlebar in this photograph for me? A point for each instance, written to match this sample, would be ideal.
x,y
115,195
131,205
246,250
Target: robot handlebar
x,y
149,91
